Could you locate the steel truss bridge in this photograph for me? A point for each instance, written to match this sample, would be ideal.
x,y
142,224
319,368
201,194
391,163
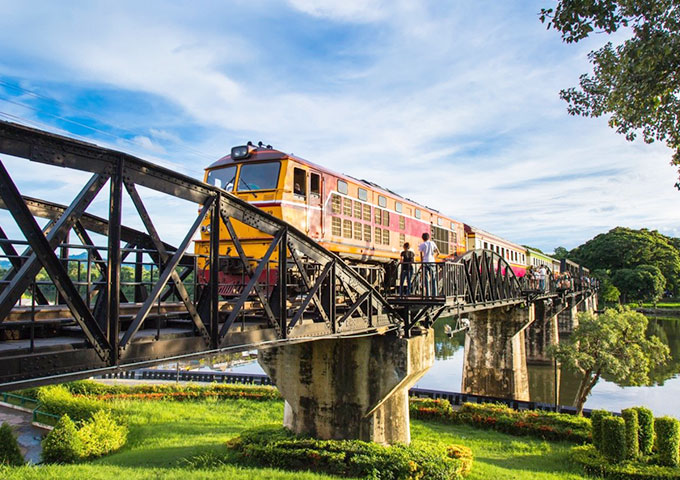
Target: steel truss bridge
x,y
133,300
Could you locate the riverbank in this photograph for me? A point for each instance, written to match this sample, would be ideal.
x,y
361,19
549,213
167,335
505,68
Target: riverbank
x,y
166,435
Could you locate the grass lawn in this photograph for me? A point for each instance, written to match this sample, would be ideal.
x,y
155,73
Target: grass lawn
x,y
164,434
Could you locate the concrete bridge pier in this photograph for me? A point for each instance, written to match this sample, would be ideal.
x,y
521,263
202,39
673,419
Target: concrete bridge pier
x,y
567,319
350,388
495,353
542,333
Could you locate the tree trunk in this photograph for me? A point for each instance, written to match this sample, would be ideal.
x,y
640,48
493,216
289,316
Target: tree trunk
x,y
584,390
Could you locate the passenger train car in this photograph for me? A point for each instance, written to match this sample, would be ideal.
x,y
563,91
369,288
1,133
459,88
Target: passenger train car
x,y
356,219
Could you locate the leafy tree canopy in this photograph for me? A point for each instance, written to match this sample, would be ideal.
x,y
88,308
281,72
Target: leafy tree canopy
x,y
611,344
636,83
624,248
560,253
644,282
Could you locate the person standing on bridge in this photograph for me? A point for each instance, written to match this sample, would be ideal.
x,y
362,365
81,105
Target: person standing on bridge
x,y
428,249
542,274
406,262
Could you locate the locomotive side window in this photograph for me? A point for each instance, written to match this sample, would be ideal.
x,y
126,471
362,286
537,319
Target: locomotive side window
x,y
402,223
358,210
367,233
386,237
299,182
358,230
258,176
440,237
347,228
347,207
342,187
363,194
222,178
367,212
378,235
336,227
314,184
378,216
386,218
382,201
417,213
397,206
402,239
336,203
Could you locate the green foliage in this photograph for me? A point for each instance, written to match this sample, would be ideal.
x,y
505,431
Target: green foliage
x,y
667,440
58,400
613,344
608,292
277,447
594,463
101,435
614,438
644,282
630,417
596,417
63,444
635,83
10,453
625,248
560,253
499,417
646,432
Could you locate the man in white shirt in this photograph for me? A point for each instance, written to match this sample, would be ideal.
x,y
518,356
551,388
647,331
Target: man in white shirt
x,y
428,251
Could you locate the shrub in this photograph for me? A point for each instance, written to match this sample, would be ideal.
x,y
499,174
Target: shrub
x,y
10,453
278,448
62,445
58,400
430,409
668,440
614,438
596,417
630,418
594,463
646,430
101,435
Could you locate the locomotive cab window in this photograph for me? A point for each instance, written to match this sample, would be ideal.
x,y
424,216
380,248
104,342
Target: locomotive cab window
x,y
382,201
342,187
363,194
258,176
222,177
299,182
314,184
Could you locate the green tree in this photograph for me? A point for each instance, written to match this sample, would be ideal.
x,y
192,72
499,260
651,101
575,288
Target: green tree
x,y
612,344
644,282
560,253
636,82
608,292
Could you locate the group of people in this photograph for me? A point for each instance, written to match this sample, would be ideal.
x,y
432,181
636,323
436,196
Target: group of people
x,y
428,256
537,277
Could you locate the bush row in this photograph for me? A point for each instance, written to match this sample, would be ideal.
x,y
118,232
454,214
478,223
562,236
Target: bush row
x,y
276,447
97,436
10,454
598,465
546,425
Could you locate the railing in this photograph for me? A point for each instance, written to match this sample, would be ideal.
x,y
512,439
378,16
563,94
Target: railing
x,y
425,279
36,415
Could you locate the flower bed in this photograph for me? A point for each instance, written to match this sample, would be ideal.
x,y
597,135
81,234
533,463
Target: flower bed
x,y
546,425
278,448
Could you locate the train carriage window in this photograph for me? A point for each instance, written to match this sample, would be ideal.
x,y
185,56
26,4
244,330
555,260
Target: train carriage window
x,y
336,227
258,176
363,194
314,184
386,237
386,218
222,178
358,231
347,228
486,246
347,207
342,187
336,203
397,207
378,235
378,216
367,212
367,233
402,222
299,182
417,213
402,239
382,201
358,210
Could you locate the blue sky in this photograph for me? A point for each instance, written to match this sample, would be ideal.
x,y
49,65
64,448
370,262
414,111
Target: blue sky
x,y
453,104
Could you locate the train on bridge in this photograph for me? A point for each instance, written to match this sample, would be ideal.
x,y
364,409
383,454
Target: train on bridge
x,y
362,222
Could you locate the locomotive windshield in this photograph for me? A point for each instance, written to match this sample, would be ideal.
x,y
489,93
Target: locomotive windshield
x,y
258,176
223,177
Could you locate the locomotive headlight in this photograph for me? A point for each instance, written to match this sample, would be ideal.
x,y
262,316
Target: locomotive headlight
x,y
242,151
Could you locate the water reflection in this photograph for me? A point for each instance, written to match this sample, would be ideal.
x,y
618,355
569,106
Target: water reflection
x,y
446,374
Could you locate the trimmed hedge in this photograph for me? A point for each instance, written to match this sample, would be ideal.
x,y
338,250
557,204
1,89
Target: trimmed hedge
x,y
58,400
594,463
596,417
10,453
668,440
630,417
62,445
614,438
278,448
101,435
646,432
546,425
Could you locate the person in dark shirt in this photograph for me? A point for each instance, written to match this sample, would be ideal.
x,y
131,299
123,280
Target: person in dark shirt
x,y
406,262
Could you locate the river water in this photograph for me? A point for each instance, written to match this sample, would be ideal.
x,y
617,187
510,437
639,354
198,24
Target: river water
x,y
663,397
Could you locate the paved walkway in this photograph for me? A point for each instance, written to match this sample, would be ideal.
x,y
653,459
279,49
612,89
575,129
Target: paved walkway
x,y
29,437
